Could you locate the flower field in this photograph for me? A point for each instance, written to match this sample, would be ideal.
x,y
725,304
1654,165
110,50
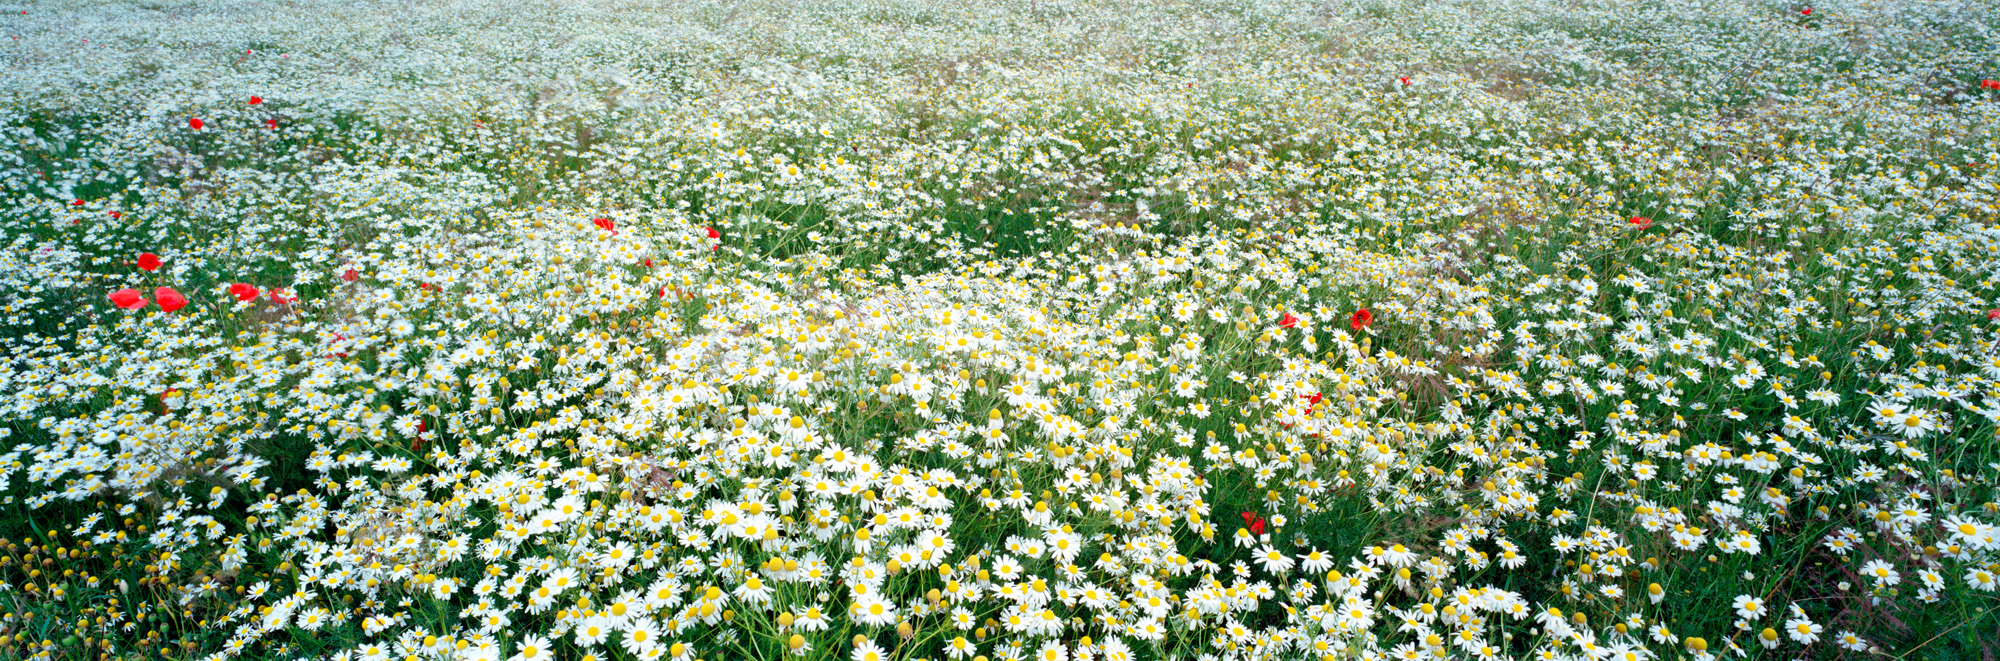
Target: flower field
x,y
1000,330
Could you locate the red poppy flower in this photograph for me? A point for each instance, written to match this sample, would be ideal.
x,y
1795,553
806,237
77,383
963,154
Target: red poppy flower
x,y
1403,79
282,297
271,123
1361,318
148,261
1989,84
605,224
712,233
649,262
1805,12
1640,222
418,442
116,215
170,300
1255,522
1993,314
350,275
429,287
76,203
1289,321
254,99
194,123
128,299
243,291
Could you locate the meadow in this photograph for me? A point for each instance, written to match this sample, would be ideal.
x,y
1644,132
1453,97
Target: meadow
x,y
999,330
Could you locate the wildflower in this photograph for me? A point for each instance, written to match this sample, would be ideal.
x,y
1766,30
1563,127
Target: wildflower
x,y
873,610
1398,556
148,262
256,100
1361,318
754,591
194,123
533,648
271,123
1640,222
350,275
641,636
605,224
1995,312
1748,607
1803,631
1881,572
1274,560
591,631
867,650
1403,79
169,299
960,648
243,292
1256,523
1288,321
1989,84
282,296
1982,579
1912,423
128,299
